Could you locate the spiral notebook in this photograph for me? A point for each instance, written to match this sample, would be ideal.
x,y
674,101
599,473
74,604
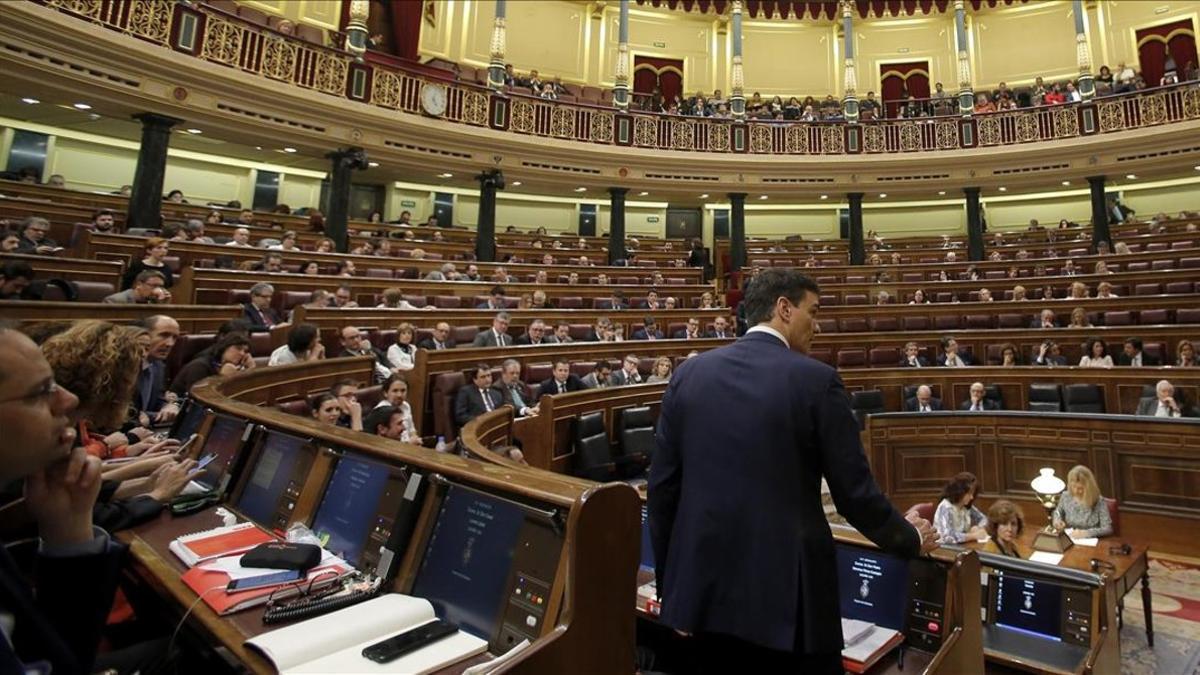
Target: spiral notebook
x,y
218,542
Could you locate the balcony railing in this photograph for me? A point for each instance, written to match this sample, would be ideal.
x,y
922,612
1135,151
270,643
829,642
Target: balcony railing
x,y
219,37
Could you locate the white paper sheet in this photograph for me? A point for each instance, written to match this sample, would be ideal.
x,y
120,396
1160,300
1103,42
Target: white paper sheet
x,y
1046,557
1082,541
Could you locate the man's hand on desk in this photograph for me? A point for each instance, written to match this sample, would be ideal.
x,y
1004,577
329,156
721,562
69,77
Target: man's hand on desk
x,y
61,497
929,536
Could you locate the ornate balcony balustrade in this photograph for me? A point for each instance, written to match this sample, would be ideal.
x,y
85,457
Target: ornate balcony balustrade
x,y
218,37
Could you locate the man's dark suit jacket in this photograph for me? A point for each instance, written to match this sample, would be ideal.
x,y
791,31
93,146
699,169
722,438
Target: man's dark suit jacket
x,y
524,339
741,544
487,338
682,335
62,624
251,314
988,404
506,394
1050,360
713,334
619,378
592,336
1124,359
920,359
911,404
427,343
380,357
1037,323
965,358
640,334
468,403
550,386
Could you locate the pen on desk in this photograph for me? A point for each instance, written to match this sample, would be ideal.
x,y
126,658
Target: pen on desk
x,y
900,659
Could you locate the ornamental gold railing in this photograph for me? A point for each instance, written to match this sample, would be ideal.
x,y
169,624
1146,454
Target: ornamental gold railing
x,y
220,37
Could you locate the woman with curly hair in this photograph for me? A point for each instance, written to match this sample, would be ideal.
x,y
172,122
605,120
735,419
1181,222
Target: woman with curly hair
x,y
99,362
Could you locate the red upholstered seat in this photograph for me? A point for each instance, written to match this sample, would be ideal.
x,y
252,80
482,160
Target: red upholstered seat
x,y
571,302
1138,267
828,299
289,299
884,357
260,344
925,510
1189,315
851,357
1151,317
852,324
946,322
186,348
1189,263
1114,514
378,273
914,322
1147,289
912,277
855,279
856,299
1162,264
1156,246
823,355
1011,321
416,300
464,335
978,321
1178,288
299,408
1118,318
445,388
1180,245
239,296
536,373
447,301
883,323
827,325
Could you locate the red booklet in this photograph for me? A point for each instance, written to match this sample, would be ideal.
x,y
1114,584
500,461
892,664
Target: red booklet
x,y
219,542
211,585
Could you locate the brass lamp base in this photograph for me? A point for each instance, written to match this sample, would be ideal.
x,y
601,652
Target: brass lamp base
x,y
1052,541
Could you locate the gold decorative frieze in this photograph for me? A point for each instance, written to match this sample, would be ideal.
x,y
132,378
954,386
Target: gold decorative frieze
x,y
910,137
832,140
1028,126
760,138
873,140
385,90
475,108
1153,109
718,137
279,59
562,122
645,132
330,75
1066,123
88,8
795,140
601,127
989,130
1112,116
683,135
151,19
946,132
222,41
522,117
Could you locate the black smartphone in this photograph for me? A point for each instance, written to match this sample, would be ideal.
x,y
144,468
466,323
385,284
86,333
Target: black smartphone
x,y
409,641
272,579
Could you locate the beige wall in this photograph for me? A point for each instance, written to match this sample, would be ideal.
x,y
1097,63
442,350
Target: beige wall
x,y
1015,214
1114,25
1019,43
776,224
921,38
89,166
790,58
321,13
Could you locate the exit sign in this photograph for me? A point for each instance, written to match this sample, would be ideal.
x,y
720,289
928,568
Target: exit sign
x,y
408,203
660,45
651,219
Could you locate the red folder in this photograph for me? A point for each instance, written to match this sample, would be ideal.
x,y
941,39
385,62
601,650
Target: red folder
x,y
210,584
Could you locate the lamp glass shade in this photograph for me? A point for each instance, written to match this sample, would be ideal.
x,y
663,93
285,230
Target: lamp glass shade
x,y
1047,483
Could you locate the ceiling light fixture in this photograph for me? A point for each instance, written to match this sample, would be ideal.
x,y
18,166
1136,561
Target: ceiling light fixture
x,y
704,196
1131,176
372,164
643,193
1066,182
581,189
258,147
883,195
1003,189
82,106
194,131
445,174
30,101
942,193
289,150
824,196
516,183
762,196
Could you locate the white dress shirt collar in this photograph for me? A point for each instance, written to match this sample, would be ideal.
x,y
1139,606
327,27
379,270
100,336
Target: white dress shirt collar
x,y
762,328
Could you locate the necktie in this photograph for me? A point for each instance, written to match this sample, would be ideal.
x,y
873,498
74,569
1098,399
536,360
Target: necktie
x,y
914,363
977,407
500,339
562,388
265,319
516,396
924,408
487,401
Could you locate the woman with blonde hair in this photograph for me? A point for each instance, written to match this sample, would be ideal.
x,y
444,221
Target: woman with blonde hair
x,y
1081,509
1005,522
1079,319
1185,354
661,371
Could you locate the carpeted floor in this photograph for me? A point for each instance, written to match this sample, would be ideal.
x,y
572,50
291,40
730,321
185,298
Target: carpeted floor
x,y
1175,584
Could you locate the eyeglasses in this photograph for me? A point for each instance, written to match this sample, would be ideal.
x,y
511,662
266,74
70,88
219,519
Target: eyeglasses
x,y
305,588
49,389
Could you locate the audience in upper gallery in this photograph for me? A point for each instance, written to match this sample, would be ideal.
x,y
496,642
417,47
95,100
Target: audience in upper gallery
x,y
33,237
354,344
78,562
1185,355
1005,523
648,331
923,401
440,339
147,289
628,374
977,400
1133,355
561,381
497,335
395,395
303,344
599,377
1095,354
231,354
1166,402
15,277
513,391
950,356
956,519
1009,355
1081,509
476,398
258,312
661,372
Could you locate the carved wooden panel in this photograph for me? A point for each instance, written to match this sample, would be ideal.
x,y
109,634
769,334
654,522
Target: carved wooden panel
x,y
1159,481
1019,464
925,468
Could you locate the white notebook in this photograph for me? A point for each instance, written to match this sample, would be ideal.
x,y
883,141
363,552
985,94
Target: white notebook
x,y
333,643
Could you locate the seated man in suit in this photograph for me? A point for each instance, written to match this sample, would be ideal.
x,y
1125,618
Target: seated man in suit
x,y
562,380
1045,320
628,374
617,301
147,289
495,300
476,398
440,338
1132,355
651,301
513,391
648,331
258,312
598,378
1165,403
602,331
912,357
34,239
535,334
386,421
924,401
562,334
692,332
721,328
977,401
950,358
354,344
54,624
1049,354
497,335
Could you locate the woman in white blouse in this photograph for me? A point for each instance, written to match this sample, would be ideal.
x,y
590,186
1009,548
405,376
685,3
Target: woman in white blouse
x,y
303,344
404,352
1095,355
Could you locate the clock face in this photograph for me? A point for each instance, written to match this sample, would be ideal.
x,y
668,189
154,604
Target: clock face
x,y
433,99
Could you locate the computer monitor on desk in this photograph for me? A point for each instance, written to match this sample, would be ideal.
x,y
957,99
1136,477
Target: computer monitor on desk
x,y
188,421
905,595
274,477
223,442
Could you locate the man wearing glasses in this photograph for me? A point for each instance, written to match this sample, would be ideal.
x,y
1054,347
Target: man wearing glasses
x,y
35,239
258,312
354,344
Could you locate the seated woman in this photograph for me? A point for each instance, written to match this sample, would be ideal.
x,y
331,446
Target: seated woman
x,y
327,408
1079,319
1005,522
662,370
403,354
1095,355
303,344
1009,356
956,519
1081,509
1185,354
230,355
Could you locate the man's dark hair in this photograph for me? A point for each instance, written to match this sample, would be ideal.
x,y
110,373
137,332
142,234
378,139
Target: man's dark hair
x,y
947,340
961,484
344,382
16,269
480,368
497,290
301,337
233,326
562,362
1134,342
601,365
147,275
649,321
379,417
769,286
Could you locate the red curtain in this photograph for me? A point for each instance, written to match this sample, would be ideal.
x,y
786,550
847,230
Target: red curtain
x,y
407,17
900,80
1177,37
666,74
817,9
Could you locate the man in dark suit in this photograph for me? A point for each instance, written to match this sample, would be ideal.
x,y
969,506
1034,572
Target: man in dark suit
x,y
1049,354
513,391
628,374
497,335
912,357
535,334
977,401
440,338
950,356
692,332
1166,402
258,312
1132,355
721,328
34,239
924,401
1045,320
648,331
743,553
598,378
354,344
617,301
602,331
57,627
476,398
561,382
495,300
